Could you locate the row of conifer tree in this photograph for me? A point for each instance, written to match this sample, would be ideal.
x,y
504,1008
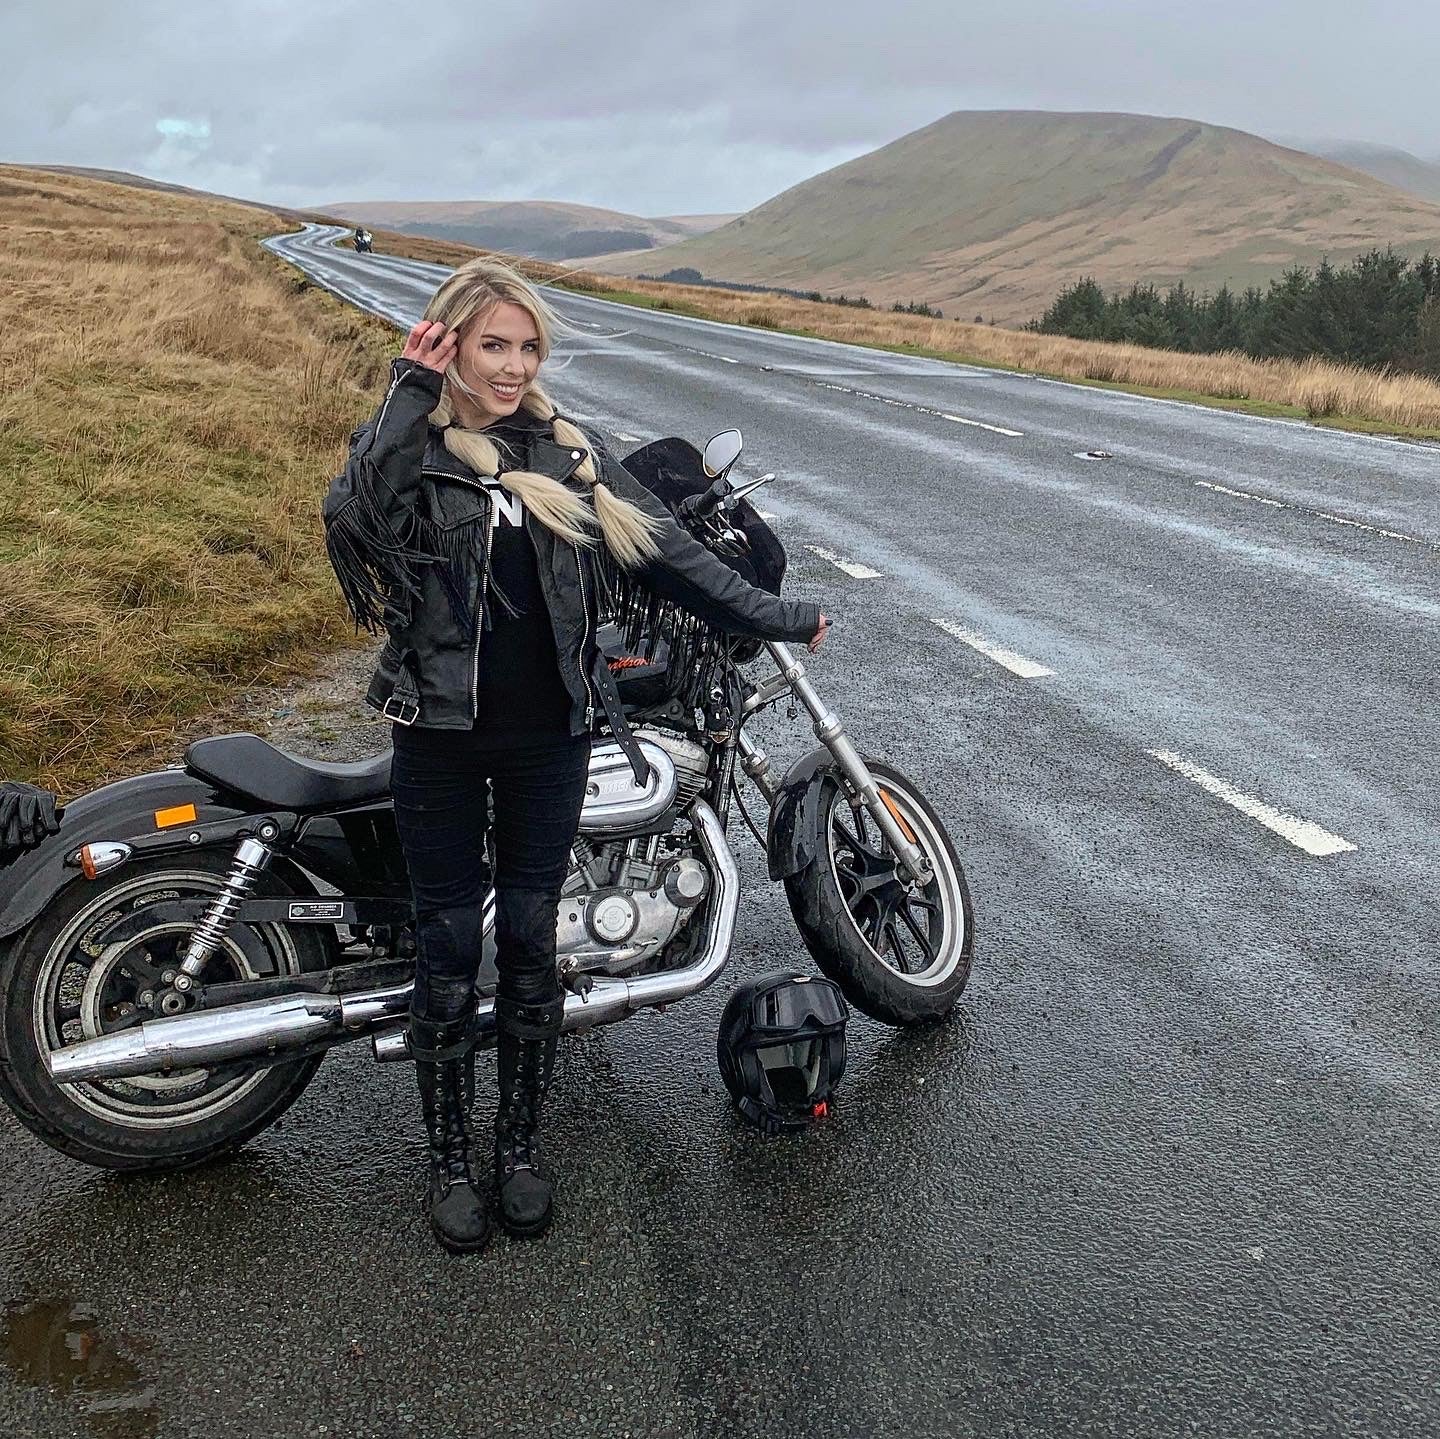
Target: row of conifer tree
x,y
1382,311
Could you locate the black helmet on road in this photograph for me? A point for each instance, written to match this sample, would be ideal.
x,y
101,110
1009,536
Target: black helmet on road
x,y
781,1048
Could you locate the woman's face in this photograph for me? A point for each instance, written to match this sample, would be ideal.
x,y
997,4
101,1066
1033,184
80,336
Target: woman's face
x,y
498,357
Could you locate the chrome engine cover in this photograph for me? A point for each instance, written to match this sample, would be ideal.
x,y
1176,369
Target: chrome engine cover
x,y
643,921
614,802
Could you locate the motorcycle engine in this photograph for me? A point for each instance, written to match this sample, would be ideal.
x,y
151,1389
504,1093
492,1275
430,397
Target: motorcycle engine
x,y
625,898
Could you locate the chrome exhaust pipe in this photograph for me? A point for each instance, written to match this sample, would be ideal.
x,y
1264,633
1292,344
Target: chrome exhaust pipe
x,y
305,1023
613,997
262,1029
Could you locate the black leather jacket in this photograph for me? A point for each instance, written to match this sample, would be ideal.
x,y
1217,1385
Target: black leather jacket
x,y
408,531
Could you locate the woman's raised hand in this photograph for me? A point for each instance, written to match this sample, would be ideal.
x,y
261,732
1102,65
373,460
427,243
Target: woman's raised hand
x,y
432,345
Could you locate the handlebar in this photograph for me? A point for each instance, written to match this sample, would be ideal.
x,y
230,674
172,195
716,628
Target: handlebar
x,y
694,508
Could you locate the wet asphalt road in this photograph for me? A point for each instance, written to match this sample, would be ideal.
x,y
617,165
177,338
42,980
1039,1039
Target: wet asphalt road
x,y
1171,1170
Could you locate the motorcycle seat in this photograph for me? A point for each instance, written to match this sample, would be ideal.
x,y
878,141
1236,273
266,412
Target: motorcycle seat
x,y
247,765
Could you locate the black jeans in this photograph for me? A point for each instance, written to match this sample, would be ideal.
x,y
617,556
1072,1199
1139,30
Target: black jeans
x,y
439,780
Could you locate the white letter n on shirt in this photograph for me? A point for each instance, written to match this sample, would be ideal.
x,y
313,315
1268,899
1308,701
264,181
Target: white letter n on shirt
x,y
504,503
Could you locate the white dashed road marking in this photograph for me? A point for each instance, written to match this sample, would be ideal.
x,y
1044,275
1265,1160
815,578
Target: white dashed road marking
x,y
1016,664
629,439
1299,832
921,409
855,571
1374,529
980,425
1318,514
1240,494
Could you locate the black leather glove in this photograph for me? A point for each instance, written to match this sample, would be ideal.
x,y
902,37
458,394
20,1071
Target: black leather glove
x,y
27,815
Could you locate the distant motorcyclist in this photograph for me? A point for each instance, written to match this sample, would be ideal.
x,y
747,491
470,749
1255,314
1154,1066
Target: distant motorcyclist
x,y
363,240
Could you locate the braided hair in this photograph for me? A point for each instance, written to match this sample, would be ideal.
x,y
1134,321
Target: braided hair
x,y
628,533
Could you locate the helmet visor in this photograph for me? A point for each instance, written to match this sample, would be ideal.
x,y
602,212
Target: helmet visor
x,y
813,1005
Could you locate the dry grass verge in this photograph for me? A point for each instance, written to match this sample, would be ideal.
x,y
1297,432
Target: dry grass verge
x,y
1338,395
172,403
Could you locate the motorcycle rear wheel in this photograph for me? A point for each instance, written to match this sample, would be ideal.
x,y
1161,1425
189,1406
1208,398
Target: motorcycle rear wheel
x,y
80,970
902,957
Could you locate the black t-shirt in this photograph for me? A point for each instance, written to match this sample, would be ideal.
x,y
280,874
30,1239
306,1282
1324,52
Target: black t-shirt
x,y
519,693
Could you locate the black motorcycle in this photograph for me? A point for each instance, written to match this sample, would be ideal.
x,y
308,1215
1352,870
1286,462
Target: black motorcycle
x,y
177,959
363,241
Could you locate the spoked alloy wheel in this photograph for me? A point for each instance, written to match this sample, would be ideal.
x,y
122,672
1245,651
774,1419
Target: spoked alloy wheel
x,y
900,951
95,964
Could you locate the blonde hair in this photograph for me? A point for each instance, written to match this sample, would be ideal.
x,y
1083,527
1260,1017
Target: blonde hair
x,y
470,294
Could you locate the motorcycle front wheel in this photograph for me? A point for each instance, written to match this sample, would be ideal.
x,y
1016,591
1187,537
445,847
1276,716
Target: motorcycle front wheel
x,y
901,954
91,965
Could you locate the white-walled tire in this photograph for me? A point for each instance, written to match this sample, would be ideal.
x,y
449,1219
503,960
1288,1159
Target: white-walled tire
x,y
901,956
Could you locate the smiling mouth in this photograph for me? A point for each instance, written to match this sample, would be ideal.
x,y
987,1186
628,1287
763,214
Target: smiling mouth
x,y
506,392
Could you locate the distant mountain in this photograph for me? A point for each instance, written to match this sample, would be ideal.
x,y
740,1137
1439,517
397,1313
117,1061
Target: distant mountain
x,y
1395,167
540,229
992,212
144,182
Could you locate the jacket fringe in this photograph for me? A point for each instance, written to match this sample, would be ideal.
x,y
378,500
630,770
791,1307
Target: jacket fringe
x,y
698,653
379,566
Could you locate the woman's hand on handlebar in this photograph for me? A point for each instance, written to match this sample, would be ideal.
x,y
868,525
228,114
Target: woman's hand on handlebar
x,y
432,345
818,638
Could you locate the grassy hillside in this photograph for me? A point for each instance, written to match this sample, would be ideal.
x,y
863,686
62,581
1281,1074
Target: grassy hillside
x,y
172,405
539,229
1399,168
992,212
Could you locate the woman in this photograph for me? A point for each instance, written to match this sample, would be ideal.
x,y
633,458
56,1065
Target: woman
x,y
479,526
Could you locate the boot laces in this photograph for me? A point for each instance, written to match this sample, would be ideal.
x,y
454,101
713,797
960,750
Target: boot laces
x,y
448,1142
521,1117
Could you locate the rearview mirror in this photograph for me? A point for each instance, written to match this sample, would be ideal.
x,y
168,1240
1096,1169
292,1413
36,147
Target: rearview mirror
x,y
722,452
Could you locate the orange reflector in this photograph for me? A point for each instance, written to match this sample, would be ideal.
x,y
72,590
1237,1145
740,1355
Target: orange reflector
x,y
180,814
898,818
87,862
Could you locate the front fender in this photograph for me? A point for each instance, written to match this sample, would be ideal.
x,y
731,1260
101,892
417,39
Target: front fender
x,y
115,811
795,815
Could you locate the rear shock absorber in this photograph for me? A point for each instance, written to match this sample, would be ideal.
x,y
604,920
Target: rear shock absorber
x,y
252,859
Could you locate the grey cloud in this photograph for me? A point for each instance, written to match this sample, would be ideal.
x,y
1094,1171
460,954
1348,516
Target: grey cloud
x,y
658,107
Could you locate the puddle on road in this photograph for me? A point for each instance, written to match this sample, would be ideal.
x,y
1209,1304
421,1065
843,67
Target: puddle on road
x,y
60,1345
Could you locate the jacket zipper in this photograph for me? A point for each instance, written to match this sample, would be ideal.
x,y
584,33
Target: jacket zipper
x,y
481,603
585,605
384,408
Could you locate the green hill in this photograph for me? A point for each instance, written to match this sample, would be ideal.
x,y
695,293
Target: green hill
x,y
991,212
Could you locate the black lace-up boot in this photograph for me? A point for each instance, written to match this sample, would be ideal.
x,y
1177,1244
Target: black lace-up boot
x,y
526,1036
443,1053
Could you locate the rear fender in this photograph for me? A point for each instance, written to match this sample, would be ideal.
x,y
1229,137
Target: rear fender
x,y
123,810
795,815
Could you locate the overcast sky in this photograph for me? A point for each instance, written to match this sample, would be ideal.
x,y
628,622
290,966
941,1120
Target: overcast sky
x,y
660,106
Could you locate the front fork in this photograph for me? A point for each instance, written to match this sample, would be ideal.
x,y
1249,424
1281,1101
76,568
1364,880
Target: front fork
x,y
831,733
